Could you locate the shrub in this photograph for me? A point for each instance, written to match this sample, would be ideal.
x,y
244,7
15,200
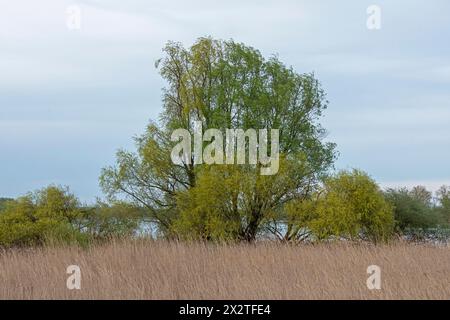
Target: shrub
x,y
412,211
350,205
38,217
110,221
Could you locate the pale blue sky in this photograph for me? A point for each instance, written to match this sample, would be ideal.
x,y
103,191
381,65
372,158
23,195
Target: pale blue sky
x,y
70,98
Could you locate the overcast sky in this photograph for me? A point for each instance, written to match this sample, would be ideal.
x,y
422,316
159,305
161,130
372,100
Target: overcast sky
x,y
70,98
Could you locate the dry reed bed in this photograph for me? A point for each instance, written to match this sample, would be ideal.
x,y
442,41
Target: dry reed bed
x,y
162,270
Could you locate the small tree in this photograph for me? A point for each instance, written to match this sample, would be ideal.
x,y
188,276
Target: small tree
x,y
350,205
412,210
40,216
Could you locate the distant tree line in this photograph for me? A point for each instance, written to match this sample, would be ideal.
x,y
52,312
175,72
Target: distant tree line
x,y
228,85
348,205
419,213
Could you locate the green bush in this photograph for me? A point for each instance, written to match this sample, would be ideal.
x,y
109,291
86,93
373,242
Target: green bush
x,y
105,221
412,211
38,217
55,216
350,205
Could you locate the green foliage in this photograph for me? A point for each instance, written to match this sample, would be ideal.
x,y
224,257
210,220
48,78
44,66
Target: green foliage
x,y
443,197
38,217
212,210
148,178
106,221
413,209
350,205
3,202
53,216
235,202
224,84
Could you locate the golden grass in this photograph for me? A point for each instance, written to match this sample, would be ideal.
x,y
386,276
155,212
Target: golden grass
x,y
162,270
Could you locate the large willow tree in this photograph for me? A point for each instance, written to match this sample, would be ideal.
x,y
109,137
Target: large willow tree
x,y
225,84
